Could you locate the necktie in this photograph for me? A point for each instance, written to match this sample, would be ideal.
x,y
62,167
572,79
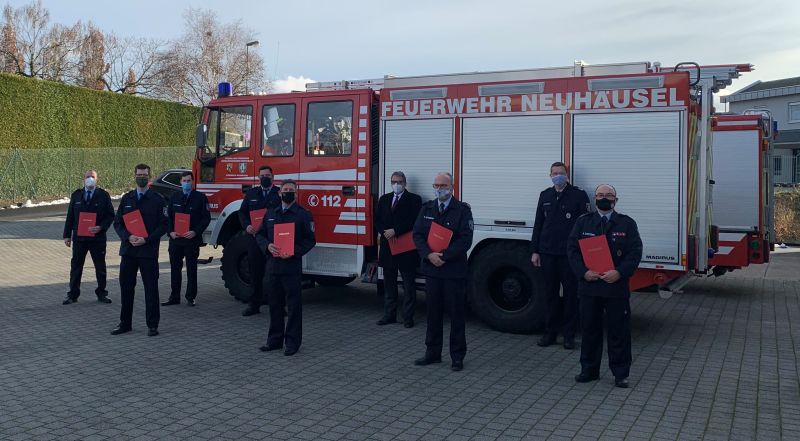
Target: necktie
x,y
441,207
185,198
88,195
604,223
394,202
139,197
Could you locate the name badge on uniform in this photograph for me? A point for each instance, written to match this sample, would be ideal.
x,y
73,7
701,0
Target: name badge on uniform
x,y
588,234
428,217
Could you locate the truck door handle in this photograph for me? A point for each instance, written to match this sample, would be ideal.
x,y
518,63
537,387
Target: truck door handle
x,y
348,190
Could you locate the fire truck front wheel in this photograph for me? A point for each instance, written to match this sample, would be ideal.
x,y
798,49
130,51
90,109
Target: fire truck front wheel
x,y
235,272
505,290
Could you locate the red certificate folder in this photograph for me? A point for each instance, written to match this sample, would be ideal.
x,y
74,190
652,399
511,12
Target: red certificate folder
x,y
181,223
284,238
596,254
402,244
86,220
134,223
256,217
439,237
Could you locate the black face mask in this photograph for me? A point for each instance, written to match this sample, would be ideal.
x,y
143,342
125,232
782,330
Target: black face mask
x,y
604,204
266,181
287,197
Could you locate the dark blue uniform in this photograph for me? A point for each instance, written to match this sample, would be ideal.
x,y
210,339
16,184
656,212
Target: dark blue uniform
x,y
255,199
195,204
445,286
142,259
99,203
556,214
599,298
284,276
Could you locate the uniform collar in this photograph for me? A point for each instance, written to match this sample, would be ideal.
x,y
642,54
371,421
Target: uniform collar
x,y
289,208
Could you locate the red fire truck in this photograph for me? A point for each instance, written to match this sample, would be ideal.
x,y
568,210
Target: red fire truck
x,y
642,127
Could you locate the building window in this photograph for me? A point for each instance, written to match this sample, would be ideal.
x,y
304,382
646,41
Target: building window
x,y
794,112
777,167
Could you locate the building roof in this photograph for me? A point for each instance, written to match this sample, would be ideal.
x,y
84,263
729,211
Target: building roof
x,y
787,137
765,89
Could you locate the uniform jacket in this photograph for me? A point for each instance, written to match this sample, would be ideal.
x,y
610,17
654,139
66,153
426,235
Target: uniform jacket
x,y
254,200
100,204
402,220
154,214
196,206
304,239
555,216
624,243
456,217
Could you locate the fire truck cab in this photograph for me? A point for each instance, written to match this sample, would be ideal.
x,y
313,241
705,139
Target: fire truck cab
x,y
643,128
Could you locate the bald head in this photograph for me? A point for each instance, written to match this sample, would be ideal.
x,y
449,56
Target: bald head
x,y
443,184
605,198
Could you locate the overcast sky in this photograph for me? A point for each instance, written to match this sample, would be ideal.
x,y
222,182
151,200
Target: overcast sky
x,y
342,39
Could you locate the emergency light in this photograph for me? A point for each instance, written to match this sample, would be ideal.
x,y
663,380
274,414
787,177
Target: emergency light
x,y
224,89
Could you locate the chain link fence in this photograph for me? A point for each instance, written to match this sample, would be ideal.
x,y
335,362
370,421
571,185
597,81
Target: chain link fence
x,y
50,174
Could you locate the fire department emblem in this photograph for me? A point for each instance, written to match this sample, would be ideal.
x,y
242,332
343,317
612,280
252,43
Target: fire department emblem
x,y
569,215
242,167
313,200
229,167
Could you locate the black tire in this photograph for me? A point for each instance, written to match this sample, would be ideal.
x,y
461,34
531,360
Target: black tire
x,y
235,272
505,290
332,280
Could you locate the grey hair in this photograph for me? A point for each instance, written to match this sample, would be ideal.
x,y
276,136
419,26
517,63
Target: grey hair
x,y
448,174
399,173
605,185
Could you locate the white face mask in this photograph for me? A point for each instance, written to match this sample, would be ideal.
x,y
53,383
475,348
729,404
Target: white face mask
x,y
89,182
442,194
398,188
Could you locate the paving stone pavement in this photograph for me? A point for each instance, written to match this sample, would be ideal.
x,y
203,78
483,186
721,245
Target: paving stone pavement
x,y
719,361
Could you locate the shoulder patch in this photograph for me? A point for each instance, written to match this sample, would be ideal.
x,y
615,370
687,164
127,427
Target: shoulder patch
x,y
466,205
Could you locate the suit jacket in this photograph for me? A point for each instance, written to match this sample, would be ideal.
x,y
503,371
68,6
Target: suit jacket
x,y
154,214
304,239
196,206
100,203
402,219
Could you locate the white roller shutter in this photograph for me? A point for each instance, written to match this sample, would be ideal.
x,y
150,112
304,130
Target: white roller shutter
x,y
505,165
419,148
640,154
736,176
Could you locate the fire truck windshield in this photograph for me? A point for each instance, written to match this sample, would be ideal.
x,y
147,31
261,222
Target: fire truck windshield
x,y
229,130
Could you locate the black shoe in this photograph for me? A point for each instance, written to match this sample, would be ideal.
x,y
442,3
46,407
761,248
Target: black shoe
x,y
457,366
546,340
152,332
409,323
386,321
190,302
171,302
120,330
569,343
103,299
69,300
424,361
621,382
289,352
585,377
267,348
251,310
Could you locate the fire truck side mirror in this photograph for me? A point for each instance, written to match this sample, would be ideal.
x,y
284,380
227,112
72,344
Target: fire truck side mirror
x,y
200,136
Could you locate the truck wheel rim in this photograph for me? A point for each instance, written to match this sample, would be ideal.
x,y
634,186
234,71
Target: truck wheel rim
x,y
510,289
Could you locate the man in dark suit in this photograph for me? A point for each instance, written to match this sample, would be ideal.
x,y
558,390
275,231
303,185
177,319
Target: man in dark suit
x,y
186,246
285,271
445,271
89,199
261,196
394,217
139,253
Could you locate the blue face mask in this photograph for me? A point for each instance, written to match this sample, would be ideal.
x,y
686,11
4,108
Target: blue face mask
x,y
559,180
442,194
186,186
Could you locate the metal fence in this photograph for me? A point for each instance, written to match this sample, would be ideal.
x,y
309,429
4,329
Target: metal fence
x,y
49,174
786,170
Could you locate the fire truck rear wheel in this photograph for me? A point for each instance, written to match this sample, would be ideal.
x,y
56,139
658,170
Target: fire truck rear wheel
x,y
235,272
332,280
505,290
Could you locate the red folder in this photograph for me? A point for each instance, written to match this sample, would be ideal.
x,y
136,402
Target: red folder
x,y
86,220
284,238
439,237
596,254
256,217
402,244
134,223
181,223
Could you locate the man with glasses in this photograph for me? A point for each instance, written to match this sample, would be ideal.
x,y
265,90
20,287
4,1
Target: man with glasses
x,y
606,296
394,217
558,209
445,271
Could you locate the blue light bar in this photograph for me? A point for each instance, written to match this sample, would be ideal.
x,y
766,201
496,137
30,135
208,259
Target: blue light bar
x,y
224,89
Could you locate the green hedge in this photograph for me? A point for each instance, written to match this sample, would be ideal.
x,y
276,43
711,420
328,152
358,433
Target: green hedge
x,y
44,114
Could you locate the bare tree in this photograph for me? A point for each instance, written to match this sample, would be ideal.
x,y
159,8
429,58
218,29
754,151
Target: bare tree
x,y
92,65
136,65
10,56
210,52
